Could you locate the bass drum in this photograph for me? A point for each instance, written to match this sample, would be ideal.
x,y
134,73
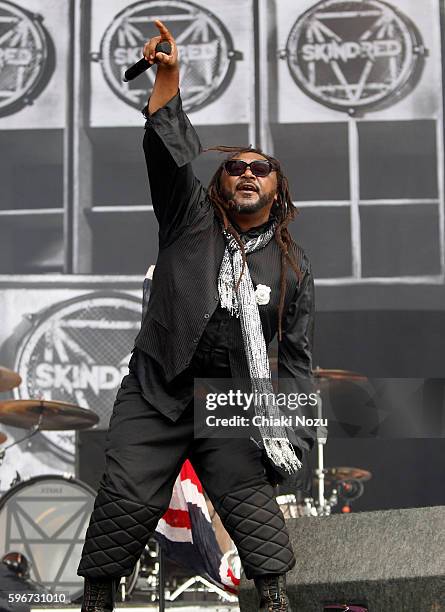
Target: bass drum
x,y
46,519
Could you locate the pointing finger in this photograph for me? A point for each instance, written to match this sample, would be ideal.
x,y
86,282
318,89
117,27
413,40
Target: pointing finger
x,y
164,31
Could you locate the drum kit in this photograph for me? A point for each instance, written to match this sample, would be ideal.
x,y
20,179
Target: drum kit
x,y
346,483
45,518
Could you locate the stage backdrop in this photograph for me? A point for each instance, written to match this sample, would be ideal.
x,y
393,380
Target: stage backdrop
x,y
347,93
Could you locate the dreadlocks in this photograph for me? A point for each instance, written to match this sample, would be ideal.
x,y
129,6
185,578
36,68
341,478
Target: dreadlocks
x,y
284,210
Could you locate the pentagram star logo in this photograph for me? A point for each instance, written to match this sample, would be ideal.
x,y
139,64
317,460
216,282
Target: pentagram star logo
x,y
204,44
354,54
46,518
24,57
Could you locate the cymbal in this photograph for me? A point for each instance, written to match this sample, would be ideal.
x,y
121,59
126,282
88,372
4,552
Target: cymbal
x,y
341,375
56,416
9,379
340,474
3,437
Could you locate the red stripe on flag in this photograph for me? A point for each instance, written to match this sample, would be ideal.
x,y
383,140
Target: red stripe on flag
x,y
188,473
177,518
232,577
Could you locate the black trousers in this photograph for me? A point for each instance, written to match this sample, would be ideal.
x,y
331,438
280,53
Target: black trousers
x,y
145,452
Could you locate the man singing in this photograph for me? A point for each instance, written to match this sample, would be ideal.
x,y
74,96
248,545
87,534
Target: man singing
x,y
228,277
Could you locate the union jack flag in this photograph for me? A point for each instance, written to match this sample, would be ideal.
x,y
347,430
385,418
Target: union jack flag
x,y
186,535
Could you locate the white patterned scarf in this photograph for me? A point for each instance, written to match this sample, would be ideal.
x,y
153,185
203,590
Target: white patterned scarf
x,y
243,304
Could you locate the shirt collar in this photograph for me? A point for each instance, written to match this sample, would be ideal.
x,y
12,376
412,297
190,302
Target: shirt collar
x,y
253,232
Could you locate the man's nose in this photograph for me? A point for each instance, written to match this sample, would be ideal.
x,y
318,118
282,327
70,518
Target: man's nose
x,y
248,172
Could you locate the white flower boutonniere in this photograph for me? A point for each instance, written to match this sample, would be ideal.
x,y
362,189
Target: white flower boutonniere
x,y
262,294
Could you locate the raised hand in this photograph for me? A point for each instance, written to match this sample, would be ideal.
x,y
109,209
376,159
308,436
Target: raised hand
x,y
162,59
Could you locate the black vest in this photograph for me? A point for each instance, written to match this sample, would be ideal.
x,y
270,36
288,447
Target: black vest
x,y
184,294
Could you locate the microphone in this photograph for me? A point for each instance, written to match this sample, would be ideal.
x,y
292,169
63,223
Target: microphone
x,y
142,65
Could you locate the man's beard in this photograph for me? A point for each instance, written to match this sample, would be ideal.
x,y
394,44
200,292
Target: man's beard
x,y
247,207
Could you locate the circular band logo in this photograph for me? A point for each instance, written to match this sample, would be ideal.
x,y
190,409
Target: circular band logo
x,y
354,54
26,57
204,44
78,352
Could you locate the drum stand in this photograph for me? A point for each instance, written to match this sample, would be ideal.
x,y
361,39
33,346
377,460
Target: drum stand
x,y
161,577
323,505
321,441
34,429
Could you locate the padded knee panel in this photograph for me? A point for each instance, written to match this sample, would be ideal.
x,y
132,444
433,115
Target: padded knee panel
x,y
256,525
116,536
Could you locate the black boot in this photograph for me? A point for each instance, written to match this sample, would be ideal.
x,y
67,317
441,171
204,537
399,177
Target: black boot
x,y
272,592
99,594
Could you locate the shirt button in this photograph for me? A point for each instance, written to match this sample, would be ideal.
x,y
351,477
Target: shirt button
x,y
216,297
195,340
206,316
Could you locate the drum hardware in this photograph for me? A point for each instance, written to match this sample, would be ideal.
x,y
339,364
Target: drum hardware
x,y
47,415
330,502
309,507
312,509
290,507
18,575
323,507
204,586
9,379
333,499
324,379
178,580
144,580
328,376
16,480
161,577
128,583
342,474
45,518
348,483
17,563
56,507
34,430
43,415
350,490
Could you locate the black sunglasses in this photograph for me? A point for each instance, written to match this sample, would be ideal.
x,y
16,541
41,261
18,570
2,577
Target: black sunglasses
x,y
258,167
